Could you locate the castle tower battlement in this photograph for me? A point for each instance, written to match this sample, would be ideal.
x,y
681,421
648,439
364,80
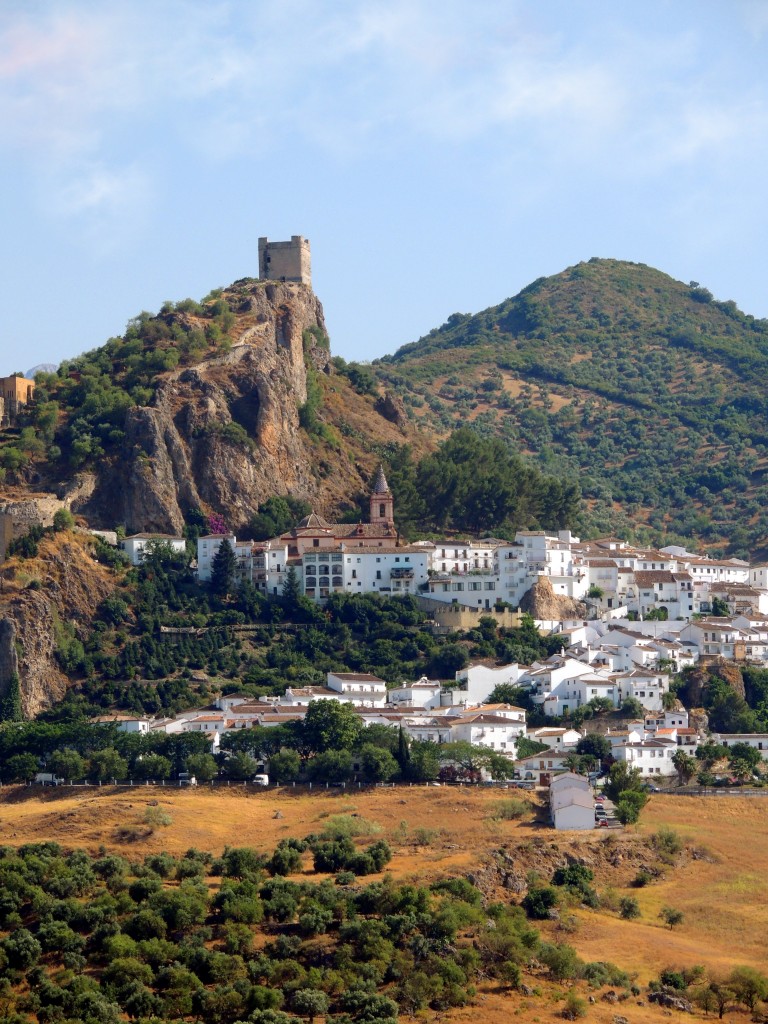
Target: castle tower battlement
x,y
285,261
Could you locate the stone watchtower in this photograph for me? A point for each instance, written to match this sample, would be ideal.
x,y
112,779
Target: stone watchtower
x,y
285,261
382,502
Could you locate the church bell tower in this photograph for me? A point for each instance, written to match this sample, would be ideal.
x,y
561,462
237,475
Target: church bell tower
x,y
382,502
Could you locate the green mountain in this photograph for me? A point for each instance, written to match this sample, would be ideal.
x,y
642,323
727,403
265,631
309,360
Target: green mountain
x,y
647,390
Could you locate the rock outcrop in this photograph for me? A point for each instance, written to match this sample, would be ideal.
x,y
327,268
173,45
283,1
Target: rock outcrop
x,y
390,405
46,602
700,677
223,434
544,604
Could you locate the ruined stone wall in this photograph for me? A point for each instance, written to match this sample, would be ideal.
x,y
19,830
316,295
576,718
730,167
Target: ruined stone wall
x,y
16,520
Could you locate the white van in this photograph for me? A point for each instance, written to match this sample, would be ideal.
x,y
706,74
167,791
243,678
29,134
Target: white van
x,y
261,780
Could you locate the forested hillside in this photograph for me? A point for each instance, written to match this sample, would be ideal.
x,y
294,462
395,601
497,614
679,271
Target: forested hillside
x,y
644,389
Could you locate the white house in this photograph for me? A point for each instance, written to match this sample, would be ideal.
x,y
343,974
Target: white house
x,y
137,546
571,803
559,739
487,730
676,719
646,687
425,693
756,740
542,767
435,729
535,553
359,688
650,757
477,682
125,723
716,637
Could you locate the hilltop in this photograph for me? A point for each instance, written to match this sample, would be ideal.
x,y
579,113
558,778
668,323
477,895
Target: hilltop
x,y
210,406
646,390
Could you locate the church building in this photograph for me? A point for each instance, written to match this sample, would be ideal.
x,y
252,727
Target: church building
x,y
316,532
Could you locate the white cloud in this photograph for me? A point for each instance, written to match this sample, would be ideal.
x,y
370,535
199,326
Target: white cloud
x,y
110,205
356,78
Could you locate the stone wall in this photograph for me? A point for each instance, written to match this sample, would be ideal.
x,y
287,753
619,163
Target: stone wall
x,y
16,520
451,617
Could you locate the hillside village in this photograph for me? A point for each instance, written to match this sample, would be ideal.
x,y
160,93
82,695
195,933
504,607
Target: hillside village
x,y
630,620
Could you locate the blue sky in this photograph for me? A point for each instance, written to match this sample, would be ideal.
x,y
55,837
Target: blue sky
x,y
439,154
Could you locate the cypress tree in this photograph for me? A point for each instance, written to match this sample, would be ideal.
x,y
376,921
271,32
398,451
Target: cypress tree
x,y
223,569
10,705
403,753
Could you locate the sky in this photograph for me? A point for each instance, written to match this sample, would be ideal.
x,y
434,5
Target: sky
x,y
439,154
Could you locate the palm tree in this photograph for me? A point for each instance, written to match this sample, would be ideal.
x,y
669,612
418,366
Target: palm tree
x,y
685,766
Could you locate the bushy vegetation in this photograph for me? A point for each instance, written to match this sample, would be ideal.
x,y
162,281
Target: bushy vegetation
x,y
479,485
79,411
231,938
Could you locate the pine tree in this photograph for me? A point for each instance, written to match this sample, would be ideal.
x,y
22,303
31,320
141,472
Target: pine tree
x,y
224,569
291,590
10,705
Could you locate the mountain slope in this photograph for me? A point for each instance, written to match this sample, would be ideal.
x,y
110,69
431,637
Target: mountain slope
x,y
646,389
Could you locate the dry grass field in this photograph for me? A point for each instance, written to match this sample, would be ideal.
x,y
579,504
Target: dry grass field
x,y
720,884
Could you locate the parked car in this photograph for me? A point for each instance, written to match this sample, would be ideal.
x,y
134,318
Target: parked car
x,y
185,779
261,780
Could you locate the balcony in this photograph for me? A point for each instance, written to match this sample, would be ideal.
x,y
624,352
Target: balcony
x,y
406,573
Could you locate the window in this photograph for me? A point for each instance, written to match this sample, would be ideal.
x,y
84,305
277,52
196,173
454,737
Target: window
x,y
378,574
315,543
354,574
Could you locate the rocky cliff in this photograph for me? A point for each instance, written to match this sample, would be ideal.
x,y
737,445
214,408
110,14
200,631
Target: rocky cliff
x,y
45,602
223,434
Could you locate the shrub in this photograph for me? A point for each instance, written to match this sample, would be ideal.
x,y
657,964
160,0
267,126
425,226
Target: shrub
x,y
601,972
667,844
538,902
575,1007
629,908
284,861
510,810
561,960
156,817
673,979
342,826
